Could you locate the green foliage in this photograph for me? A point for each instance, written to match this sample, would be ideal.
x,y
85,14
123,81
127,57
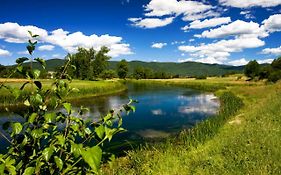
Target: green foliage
x,y
252,69
142,73
108,74
52,141
274,76
276,64
271,72
100,62
87,63
122,69
147,73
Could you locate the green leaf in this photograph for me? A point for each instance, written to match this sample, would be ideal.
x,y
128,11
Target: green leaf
x,y
48,152
76,149
26,102
92,156
20,68
32,117
30,33
2,168
61,140
38,84
87,131
133,108
22,87
36,133
50,117
29,171
59,162
36,73
100,131
36,99
41,61
38,166
21,60
30,49
120,122
17,127
67,106
109,133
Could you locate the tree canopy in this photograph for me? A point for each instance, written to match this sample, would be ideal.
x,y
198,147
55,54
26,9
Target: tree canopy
x,y
88,63
122,69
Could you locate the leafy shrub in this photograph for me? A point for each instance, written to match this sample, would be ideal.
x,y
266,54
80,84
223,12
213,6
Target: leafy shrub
x,y
108,74
52,141
274,76
252,69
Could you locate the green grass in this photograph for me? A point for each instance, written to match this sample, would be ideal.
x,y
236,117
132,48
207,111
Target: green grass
x,y
245,141
86,89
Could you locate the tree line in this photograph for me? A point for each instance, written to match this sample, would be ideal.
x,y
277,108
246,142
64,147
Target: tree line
x,y
89,64
271,72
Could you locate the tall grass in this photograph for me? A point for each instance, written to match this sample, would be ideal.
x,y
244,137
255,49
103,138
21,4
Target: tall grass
x,y
86,89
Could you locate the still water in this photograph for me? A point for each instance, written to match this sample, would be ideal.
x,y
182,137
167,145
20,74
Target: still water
x,y
160,111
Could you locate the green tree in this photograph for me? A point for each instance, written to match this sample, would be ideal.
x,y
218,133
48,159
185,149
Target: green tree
x,y
82,63
276,64
108,74
100,61
122,69
252,69
88,63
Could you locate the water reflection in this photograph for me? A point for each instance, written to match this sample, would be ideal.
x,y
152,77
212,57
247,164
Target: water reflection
x,y
204,103
161,111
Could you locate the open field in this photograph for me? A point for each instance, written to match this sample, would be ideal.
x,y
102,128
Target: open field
x,y
240,140
86,88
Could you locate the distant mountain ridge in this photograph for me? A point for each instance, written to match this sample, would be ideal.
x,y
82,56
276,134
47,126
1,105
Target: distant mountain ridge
x,y
183,69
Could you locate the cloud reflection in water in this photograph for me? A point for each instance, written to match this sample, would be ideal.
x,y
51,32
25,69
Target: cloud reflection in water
x,y
203,103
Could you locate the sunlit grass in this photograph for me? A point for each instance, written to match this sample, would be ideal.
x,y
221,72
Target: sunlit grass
x,y
86,88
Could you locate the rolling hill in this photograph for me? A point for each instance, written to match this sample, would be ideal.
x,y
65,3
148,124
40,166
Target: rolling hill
x,y
183,69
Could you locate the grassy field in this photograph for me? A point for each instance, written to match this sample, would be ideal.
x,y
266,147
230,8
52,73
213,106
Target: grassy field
x,y
86,89
242,139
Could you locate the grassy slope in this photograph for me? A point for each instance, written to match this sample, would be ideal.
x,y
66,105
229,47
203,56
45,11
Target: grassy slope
x,y
86,88
248,143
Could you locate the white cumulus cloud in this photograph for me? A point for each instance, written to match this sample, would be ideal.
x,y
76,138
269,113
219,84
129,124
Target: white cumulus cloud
x,y
46,47
250,3
151,22
239,62
4,52
188,9
274,51
158,45
15,33
273,23
236,28
218,52
197,24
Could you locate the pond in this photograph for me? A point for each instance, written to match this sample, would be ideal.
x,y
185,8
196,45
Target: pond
x,y
160,111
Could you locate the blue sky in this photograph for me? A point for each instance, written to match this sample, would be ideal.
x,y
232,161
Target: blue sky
x,y
210,31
